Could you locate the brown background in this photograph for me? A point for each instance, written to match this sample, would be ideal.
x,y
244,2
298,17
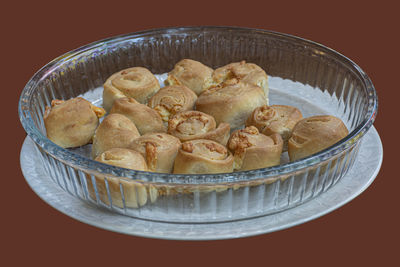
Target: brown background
x,y
363,232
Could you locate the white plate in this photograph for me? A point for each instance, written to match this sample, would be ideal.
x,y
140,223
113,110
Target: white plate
x,y
364,171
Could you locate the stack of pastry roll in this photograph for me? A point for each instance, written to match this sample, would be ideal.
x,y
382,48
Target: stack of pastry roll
x,y
203,156
192,124
243,72
71,123
192,74
123,193
146,119
137,82
313,134
253,150
172,99
273,119
159,150
115,130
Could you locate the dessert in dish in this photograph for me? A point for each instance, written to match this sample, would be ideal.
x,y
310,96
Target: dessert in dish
x,y
132,194
171,100
146,119
203,156
71,123
303,74
199,138
231,103
313,134
242,71
192,74
192,124
159,150
253,150
275,119
115,131
137,82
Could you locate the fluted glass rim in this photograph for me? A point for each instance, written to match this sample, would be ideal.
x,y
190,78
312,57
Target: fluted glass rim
x,y
78,161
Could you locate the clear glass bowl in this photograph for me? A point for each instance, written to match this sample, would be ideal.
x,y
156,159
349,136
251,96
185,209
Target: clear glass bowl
x,y
302,73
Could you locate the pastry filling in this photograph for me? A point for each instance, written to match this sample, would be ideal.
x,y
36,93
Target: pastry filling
x,y
193,125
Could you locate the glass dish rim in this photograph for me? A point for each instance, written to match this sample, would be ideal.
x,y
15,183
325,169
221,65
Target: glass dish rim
x,y
77,161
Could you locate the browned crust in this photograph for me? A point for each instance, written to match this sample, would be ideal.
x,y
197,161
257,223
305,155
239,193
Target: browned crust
x,y
115,131
188,161
137,82
209,130
71,123
159,150
313,134
192,74
146,119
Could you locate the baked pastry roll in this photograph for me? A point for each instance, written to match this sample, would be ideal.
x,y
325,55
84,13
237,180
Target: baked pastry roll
x,y
231,103
115,131
159,150
134,193
137,82
252,150
171,100
147,120
71,123
192,74
313,134
190,125
245,72
275,119
202,156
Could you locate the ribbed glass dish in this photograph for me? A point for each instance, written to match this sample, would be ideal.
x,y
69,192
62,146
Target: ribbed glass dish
x,y
308,75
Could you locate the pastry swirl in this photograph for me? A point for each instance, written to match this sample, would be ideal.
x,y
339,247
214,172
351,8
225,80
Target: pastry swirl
x,y
313,134
275,119
252,150
137,82
172,99
71,123
115,131
190,125
245,72
159,150
203,156
231,103
133,193
147,120
192,74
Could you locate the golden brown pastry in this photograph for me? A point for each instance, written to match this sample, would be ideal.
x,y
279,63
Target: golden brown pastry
x,y
134,193
203,156
159,150
171,100
71,123
313,134
190,125
231,103
147,120
138,83
115,131
124,158
245,72
192,74
275,119
252,150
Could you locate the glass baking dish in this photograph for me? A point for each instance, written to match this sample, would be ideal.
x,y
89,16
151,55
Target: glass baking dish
x,y
302,73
